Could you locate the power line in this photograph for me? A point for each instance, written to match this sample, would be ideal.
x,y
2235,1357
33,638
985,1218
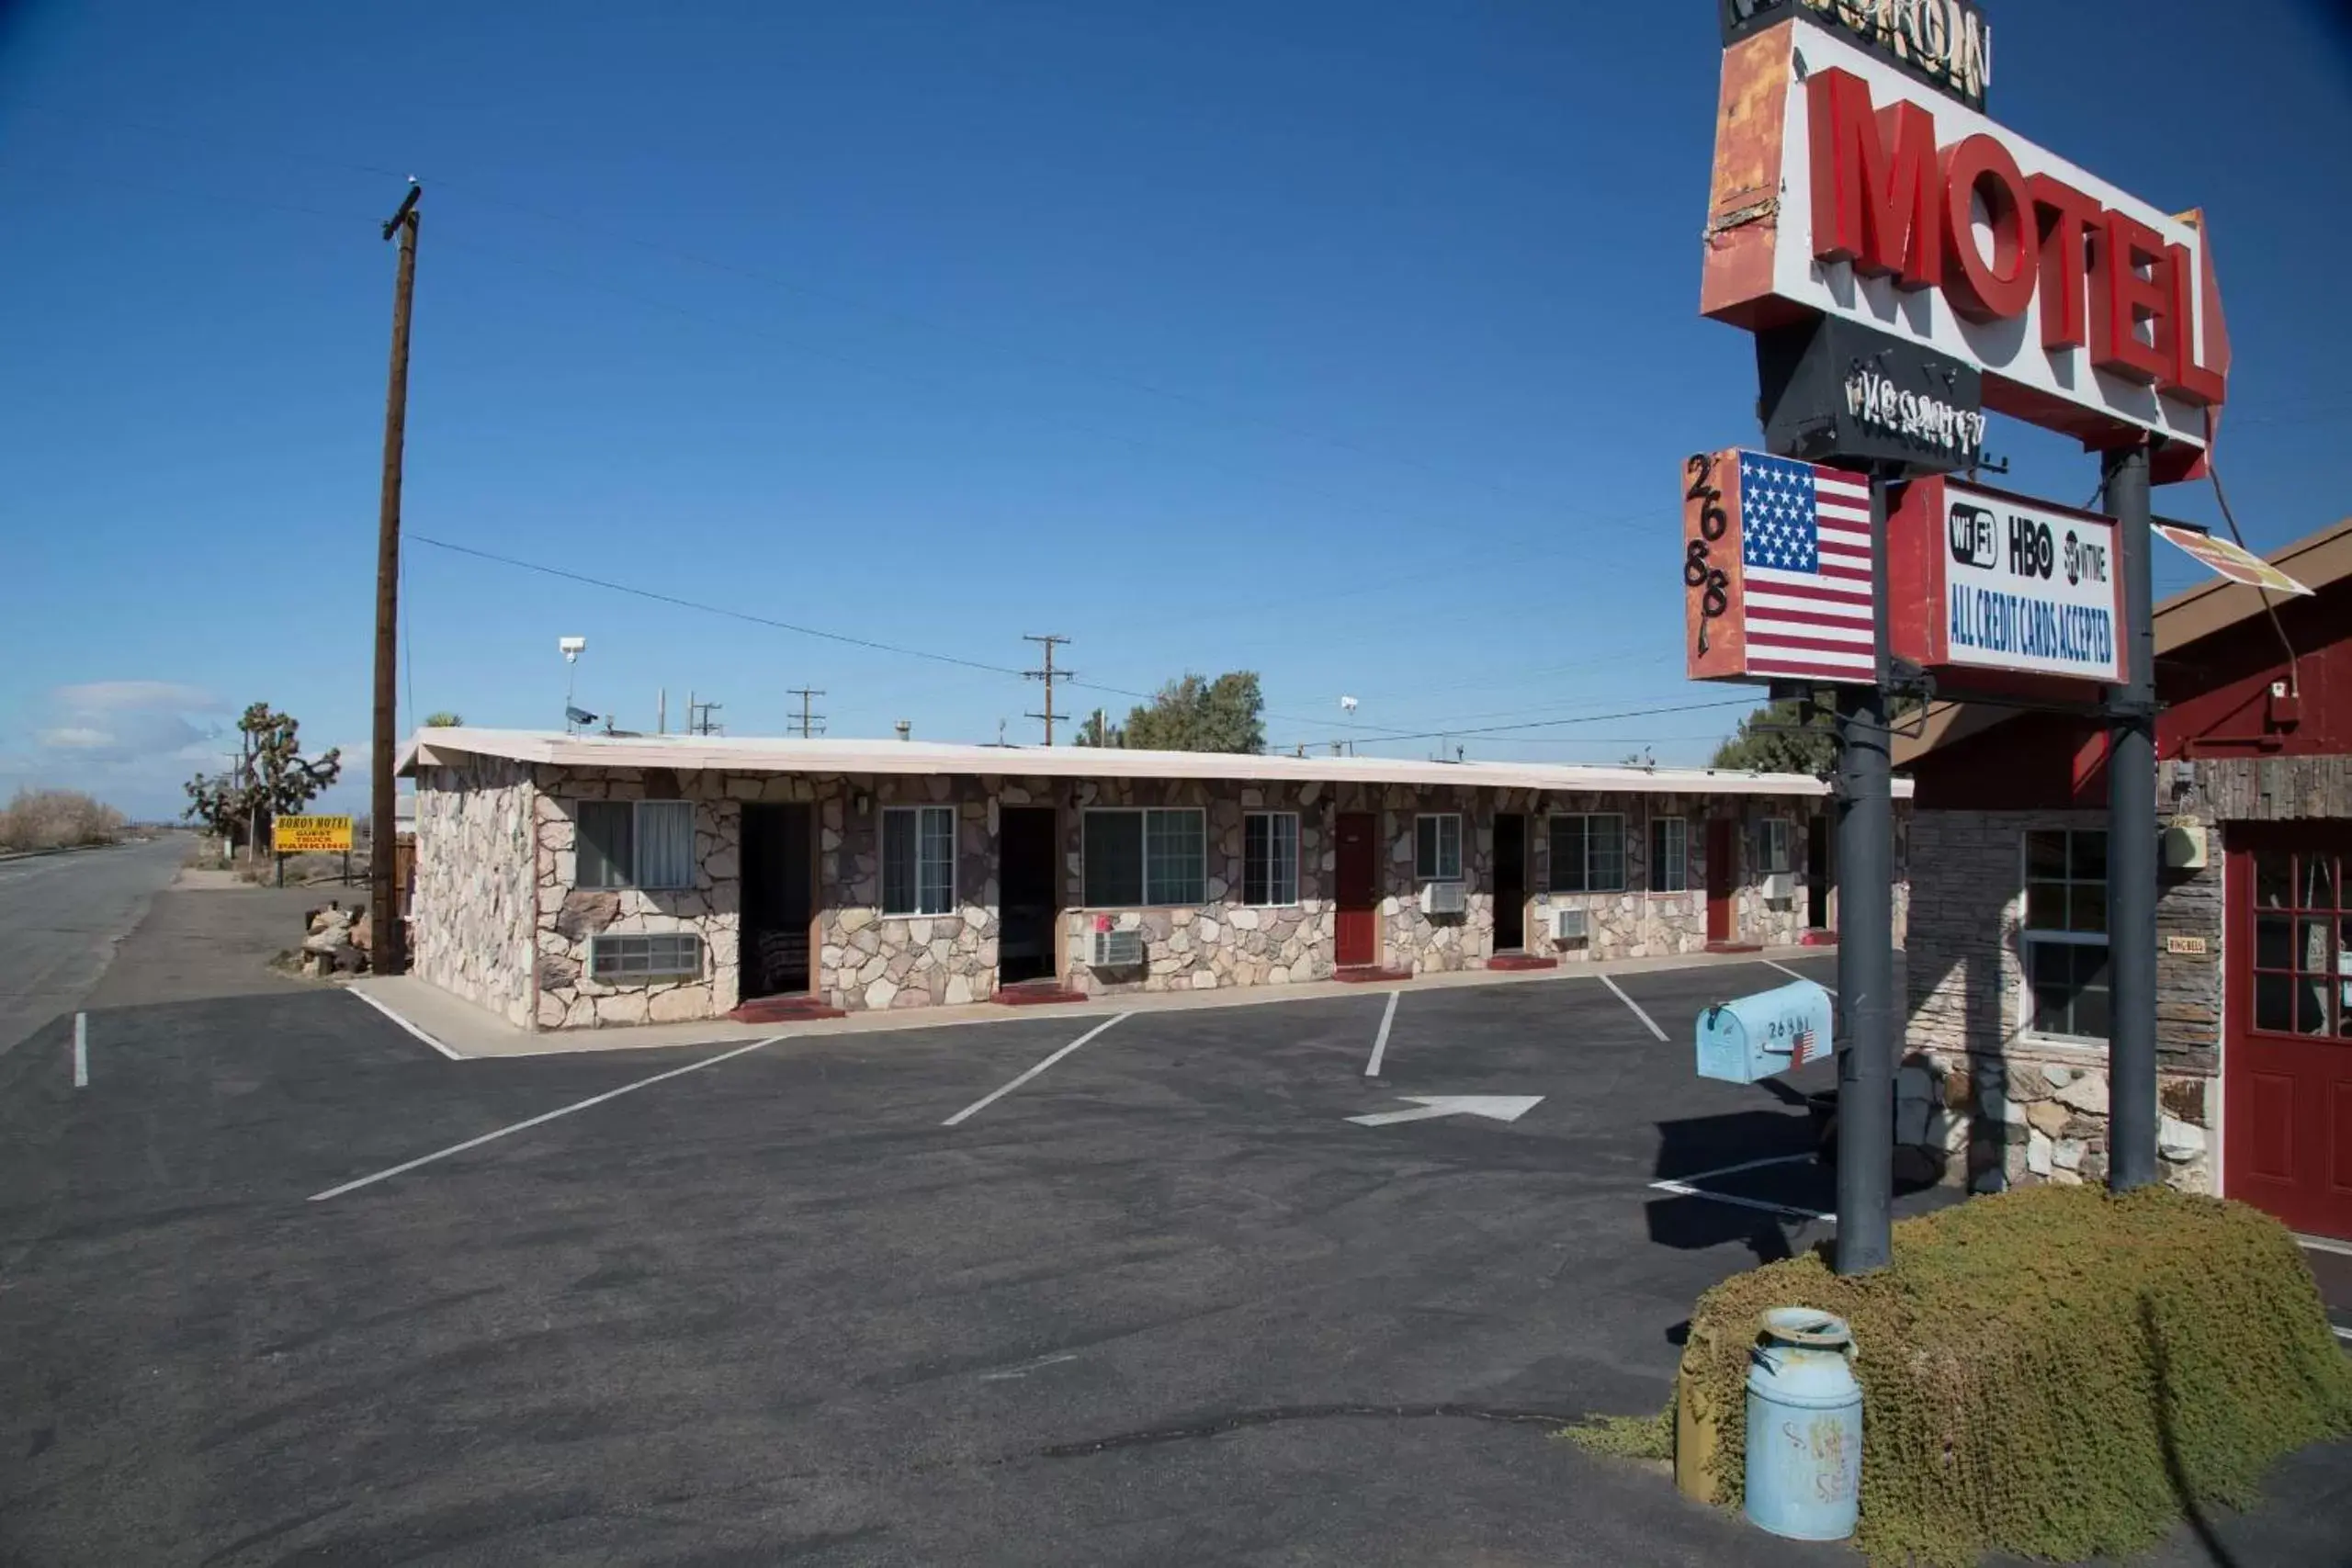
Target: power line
x,y
843,637
1049,674
1459,734
746,616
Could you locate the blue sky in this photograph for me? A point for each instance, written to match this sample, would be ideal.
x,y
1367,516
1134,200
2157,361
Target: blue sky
x,y
1353,343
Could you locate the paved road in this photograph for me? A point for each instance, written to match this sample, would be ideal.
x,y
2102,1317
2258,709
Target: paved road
x,y
1162,1302
61,918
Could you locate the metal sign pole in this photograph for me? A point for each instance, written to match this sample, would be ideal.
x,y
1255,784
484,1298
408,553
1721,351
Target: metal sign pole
x,y
2132,842
1865,799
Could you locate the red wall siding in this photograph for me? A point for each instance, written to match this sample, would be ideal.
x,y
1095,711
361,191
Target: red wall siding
x,y
2218,695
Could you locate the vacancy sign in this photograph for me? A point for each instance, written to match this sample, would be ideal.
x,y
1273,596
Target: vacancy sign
x,y
1843,187
1981,580
2227,561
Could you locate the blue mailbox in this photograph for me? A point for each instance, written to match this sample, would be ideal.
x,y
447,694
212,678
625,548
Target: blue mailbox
x,y
1762,1036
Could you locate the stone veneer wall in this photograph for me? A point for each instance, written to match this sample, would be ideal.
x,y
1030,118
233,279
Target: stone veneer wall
x,y
476,891
1412,941
867,961
1222,943
506,876
1979,1099
569,916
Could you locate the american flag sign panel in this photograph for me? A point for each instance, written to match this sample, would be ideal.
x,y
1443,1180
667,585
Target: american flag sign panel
x,y
1778,558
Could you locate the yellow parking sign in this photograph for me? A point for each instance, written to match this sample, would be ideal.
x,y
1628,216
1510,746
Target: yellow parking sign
x,y
311,835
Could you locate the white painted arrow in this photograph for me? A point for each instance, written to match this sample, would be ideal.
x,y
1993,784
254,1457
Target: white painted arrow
x,y
1494,1107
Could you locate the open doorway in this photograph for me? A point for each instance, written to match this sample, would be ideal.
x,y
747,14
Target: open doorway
x,y
1820,874
779,900
1029,887
1511,884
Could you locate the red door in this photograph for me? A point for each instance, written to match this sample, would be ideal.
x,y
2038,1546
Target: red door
x,y
2287,1090
1359,895
1723,880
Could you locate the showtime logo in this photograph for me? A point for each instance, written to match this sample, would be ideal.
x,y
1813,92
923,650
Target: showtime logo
x,y
1964,219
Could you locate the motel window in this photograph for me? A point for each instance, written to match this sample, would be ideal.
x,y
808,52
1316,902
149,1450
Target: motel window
x,y
2065,936
1437,849
1588,854
919,859
1156,858
2302,943
644,843
1669,855
1775,847
1269,858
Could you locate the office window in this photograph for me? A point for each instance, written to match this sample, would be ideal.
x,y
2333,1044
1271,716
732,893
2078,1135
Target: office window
x,y
1269,858
2064,935
1669,855
644,843
919,859
1588,854
1157,858
1437,849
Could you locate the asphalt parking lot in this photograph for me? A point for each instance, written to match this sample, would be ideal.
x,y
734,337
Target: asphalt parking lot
x,y
884,1298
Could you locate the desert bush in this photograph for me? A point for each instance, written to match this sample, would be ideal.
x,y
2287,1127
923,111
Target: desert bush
x,y
57,820
2059,1374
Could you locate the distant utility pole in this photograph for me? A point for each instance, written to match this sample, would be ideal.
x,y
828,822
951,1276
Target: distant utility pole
x,y
387,952
1049,675
698,716
812,723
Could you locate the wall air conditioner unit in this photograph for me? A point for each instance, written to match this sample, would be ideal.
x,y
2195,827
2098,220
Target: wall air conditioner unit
x,y
1571,928
1445,898
1118,950
1780,887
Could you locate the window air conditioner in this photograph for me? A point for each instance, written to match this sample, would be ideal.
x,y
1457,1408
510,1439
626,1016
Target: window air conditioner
x,y
1445,898
1571,926
1118,950
1780,887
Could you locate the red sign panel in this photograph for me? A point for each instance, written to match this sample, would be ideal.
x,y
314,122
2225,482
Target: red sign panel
x,y
1982,582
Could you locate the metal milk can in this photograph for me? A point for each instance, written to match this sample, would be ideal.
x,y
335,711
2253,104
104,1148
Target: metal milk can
x,y
1804,1427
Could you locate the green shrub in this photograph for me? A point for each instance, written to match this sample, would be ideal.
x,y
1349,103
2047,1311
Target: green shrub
x,y
1625,1436
2058,1372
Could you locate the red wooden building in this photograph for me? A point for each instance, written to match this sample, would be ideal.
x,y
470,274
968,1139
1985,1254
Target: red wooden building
x,y
2008,947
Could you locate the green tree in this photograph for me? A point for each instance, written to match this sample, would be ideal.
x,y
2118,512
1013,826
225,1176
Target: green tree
x,y
444,720
1195,714
1783,738
276,781
1793,737
1096,729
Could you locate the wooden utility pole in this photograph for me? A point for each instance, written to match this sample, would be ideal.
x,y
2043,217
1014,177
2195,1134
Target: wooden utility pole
x,y
387,952
1049,675
812,723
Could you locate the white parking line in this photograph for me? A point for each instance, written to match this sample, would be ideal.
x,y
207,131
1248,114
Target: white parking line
x,y
543,1119
386,1010
1794,975
1635,1005
1683,1190
81,1050
1380,1041
1751,1165
982,1104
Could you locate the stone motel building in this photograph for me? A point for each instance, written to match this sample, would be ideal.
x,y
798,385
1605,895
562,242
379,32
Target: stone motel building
x,y
570,882
2006,1080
